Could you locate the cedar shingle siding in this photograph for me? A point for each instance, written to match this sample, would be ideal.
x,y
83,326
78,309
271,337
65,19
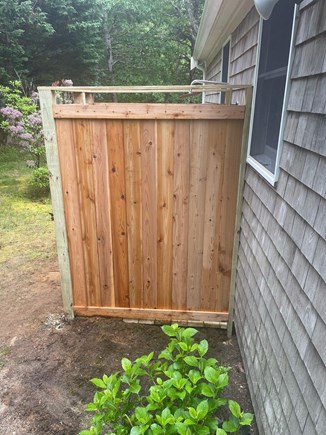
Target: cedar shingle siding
x,y
280,302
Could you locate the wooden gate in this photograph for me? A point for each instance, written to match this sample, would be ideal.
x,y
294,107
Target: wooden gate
x,y
150,193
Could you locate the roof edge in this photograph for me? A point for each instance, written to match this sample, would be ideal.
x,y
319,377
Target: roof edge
x,y
219,19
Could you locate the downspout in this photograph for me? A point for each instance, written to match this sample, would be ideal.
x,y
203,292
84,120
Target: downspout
x,y
202,67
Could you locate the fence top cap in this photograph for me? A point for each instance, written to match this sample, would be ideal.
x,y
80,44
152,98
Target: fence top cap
x,y
144,89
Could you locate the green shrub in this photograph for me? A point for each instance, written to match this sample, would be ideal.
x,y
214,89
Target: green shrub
x,y
39,183
180,392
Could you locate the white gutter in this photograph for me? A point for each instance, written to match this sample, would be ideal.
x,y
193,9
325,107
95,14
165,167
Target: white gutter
x,y
220,18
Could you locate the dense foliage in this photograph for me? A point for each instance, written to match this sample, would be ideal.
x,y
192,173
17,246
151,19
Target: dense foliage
x,y
20,120
180,392
106,42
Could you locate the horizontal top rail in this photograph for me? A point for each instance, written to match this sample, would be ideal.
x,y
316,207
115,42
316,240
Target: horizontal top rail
x,y
148,111
144,89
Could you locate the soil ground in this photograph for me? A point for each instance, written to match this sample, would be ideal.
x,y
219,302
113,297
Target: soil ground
x,y
46,362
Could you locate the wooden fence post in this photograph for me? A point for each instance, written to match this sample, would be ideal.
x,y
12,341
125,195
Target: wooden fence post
x,y
52,156
242,170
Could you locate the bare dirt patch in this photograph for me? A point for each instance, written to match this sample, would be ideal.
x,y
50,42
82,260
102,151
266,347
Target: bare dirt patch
x,y
46,362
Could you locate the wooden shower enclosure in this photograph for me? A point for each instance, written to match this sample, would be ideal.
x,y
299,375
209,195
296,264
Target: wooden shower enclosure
x,y
148,196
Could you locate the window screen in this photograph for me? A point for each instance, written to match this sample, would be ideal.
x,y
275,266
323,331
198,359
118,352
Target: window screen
x,y
225,67
273,64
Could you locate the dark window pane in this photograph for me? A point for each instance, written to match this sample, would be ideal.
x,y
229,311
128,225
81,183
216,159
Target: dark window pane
x,y
273,62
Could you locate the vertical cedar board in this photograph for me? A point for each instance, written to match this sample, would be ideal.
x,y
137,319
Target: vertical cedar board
x,y
229,201
157,196
198,176
115,139
213,206
132,145
165,142
103,211
181,213
149,212
72,207
85,179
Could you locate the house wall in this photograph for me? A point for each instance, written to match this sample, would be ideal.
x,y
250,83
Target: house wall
x,y
280,300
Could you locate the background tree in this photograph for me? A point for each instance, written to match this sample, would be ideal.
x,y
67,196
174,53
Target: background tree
x,y
97,42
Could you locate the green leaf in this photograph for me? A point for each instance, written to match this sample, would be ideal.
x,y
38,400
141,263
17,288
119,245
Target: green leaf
x,y
189,422
193,413
235,408
223,380
183,346
189,332
156,429
191,361
166,355
126,364
98,382
220,432
167,417
142,415
204,430
208,390
169,330
202,409
91,407
86,432
211,375
135,431
246,419
194,376
230,426
135,388
203,347
182,428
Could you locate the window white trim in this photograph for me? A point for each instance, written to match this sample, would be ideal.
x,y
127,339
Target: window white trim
x,y
272,178
228,41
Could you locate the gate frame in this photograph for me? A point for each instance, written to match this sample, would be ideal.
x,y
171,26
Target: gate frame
x,y
84,95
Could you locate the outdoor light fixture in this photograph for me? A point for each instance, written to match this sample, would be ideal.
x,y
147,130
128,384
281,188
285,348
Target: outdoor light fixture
x,y
265,7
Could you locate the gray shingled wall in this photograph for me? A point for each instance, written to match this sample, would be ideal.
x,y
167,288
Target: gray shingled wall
x,y
280,307
280,303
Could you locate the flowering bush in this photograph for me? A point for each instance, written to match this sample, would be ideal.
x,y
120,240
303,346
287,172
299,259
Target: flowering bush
x,y
63,97
21,120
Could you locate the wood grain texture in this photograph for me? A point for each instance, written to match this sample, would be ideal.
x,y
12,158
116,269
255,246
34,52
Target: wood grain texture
x,y
103,210
150,205
213,210
148,111
132,148
85,181
165,145
198,177
72,207
114,131
149,212
52,156
181,213
145,313
229,201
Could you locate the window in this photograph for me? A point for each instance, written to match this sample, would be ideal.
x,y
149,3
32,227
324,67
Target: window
x,y
225,67
271,80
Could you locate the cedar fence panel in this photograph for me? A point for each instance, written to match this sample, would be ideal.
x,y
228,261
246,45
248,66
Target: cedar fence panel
x,y
150,196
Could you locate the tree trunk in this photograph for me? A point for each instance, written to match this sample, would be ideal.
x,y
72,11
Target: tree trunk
x,y
109,51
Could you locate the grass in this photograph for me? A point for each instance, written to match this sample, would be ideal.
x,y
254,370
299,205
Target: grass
x,y
26,228
4,353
